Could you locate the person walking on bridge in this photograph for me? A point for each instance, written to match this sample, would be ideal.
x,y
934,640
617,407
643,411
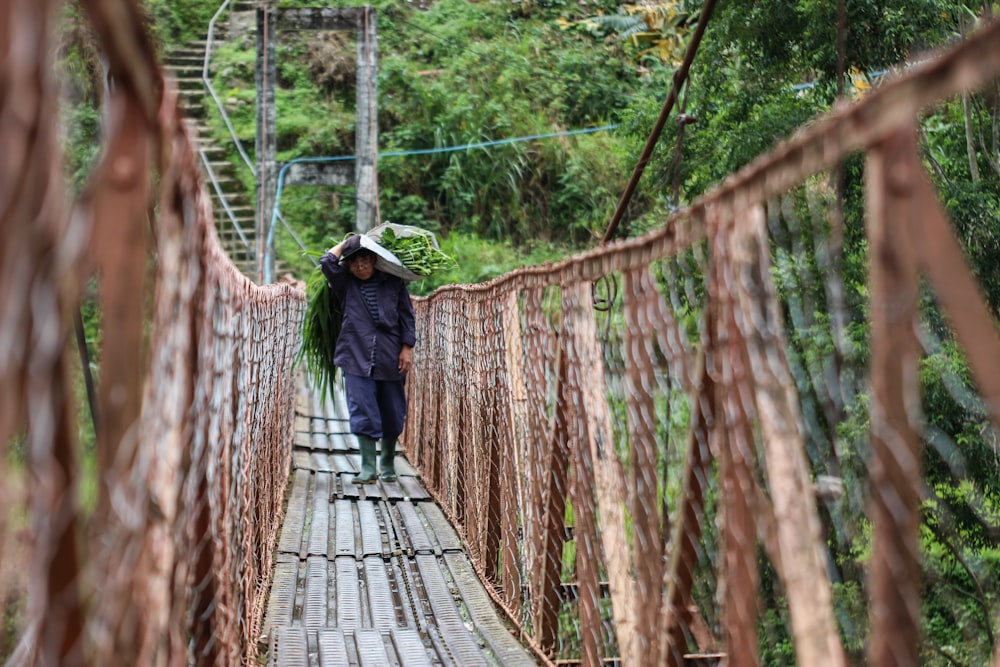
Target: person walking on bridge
x,y
374,350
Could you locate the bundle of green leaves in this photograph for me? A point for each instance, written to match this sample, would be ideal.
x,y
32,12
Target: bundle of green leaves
x,y
320,330
417,252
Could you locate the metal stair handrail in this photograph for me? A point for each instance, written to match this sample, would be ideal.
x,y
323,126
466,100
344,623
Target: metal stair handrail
x,y
211,90
236,140
222,198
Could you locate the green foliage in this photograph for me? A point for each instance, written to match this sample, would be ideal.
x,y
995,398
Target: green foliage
x,y
82,146
320,330
417,252
797,39
179,21
651,31
973,206
478,260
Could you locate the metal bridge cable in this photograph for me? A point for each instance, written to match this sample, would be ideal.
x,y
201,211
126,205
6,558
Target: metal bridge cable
x,y
679,77
276,211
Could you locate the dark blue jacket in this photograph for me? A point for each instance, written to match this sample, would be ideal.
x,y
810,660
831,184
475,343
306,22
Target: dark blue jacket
x,y
364,348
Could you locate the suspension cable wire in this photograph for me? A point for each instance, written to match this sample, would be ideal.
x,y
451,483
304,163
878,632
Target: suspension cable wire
x,y
207,81
679,78
276,211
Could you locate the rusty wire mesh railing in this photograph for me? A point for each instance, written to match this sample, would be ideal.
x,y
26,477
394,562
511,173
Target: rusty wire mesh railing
x,y
696,444
195,400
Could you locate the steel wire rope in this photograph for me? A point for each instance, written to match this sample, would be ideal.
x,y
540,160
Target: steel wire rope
x,y
679,78
276,211
207,81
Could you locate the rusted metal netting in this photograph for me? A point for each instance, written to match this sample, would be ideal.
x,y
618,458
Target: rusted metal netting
x,y
171,563
654,450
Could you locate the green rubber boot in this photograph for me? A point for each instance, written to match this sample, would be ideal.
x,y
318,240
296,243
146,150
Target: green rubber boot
x,y
387,460
367,475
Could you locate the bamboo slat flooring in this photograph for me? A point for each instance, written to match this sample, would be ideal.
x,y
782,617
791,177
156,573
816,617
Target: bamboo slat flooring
x,y
372,574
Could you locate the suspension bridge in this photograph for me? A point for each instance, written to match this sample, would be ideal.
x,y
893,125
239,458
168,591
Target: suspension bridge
x,y
605,458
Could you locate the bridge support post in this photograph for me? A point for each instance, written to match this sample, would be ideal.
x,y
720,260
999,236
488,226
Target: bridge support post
x,y
271,21
266,144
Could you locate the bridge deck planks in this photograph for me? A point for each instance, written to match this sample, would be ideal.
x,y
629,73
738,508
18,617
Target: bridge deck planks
x,y
371,574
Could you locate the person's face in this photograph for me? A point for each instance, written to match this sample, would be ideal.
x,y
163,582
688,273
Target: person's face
x,y
362,266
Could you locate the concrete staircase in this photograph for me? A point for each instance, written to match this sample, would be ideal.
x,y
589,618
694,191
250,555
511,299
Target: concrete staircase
x,y
185,64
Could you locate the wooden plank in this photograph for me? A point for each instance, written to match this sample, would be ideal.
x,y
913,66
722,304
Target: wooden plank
x,y
410,648
444,534
456,636
314,602
332,648
319,526
318,433
389,531
289,648
336,487
348,593
371,648
342,463
402,573
420,541
391,490
371,530
302,460
295,514
504,645
441,648
381,602
413,489
344,540
281,600
321,462
399,530
403,467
